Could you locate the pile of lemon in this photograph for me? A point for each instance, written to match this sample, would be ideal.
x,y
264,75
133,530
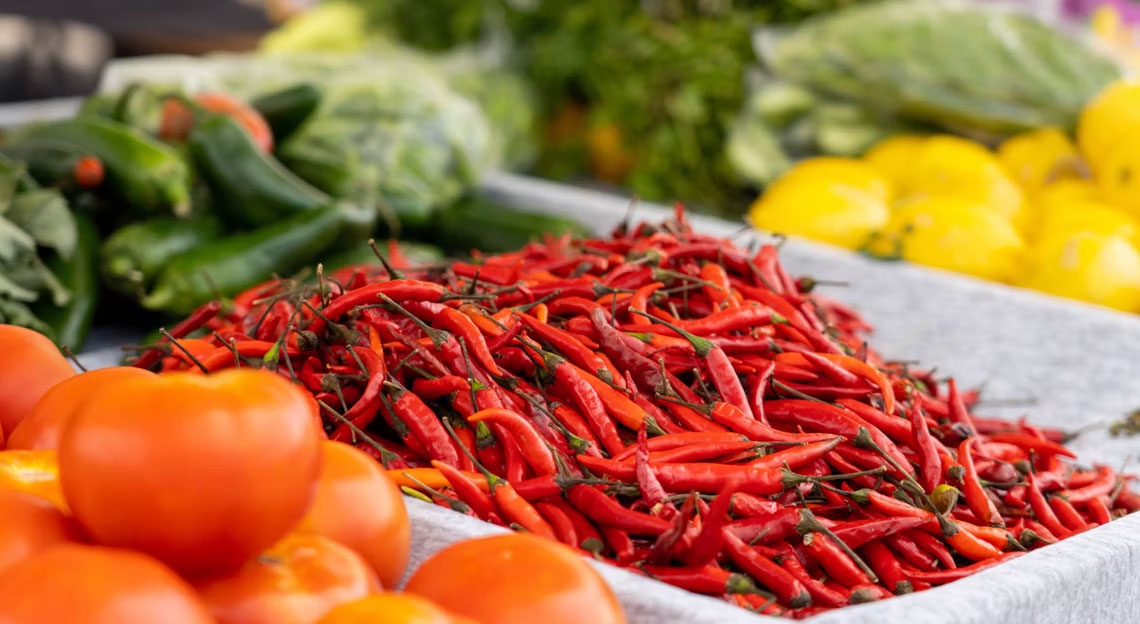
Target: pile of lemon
x,y
1039,211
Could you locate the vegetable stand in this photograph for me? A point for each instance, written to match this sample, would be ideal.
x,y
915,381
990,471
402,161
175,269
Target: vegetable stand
x,y
1095,569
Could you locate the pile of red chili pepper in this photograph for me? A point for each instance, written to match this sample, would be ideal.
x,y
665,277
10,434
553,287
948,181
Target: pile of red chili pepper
x,y
668,402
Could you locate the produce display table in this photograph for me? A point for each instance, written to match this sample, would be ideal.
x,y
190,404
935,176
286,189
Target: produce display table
x,y
1075,361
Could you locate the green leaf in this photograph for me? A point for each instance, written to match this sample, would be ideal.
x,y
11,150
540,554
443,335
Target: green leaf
x,y
10,287
44,215
14,242
16,313
10,173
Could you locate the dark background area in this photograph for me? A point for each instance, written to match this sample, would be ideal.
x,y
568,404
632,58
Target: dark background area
x,y
57,48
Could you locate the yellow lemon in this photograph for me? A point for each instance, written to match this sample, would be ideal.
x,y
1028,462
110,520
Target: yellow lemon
x,y
957,235
1090,266
1038,157
842,208
1067,191
1119,177
948,166
1087,216
1111,119
894,156
833,170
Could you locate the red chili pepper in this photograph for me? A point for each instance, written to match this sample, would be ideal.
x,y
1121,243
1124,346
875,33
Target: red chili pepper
x,y
1068,515
192,323
724,376
432,389
748,506
680,440
398,290
757,389
364,409
573,421
589,538
928,459
640,302
709,541
937,549
468,491
869,592
1099,510
706,452
1028,442
958,412
560,522
692,419
702,580
565,343
610,513
462,326
572,383
618,405
909,550
833,560
424,426
789,590
856,534
731,417
976,497
820,593
651,490
941,577
766,528
534,448
516,509
899,429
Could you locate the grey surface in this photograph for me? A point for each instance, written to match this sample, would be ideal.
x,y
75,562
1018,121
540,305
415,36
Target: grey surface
x,y
1079,362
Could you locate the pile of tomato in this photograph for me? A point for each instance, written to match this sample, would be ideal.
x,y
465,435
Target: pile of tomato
x,y
127,496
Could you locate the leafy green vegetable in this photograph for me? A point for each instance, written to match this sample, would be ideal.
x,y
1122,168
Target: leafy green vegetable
x,y
44,215
975,69
17,313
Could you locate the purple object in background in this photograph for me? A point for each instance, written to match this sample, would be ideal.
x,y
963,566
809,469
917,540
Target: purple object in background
x,y
1128,10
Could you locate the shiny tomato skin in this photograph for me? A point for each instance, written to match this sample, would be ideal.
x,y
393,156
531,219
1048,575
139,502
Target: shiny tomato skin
x,y
297,581
31,365
392,608
357,505
80,584
32,472
41,428
201,472
516,579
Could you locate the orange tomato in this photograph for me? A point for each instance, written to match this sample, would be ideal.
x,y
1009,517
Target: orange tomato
x,y
30,367
32,472
392,608
297,581
358,505
516,579
96,585
41,428
177,119
201,472
29,524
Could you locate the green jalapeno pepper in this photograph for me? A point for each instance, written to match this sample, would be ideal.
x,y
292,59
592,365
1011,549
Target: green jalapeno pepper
x,y
134,254
146,173
249,188
229,265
